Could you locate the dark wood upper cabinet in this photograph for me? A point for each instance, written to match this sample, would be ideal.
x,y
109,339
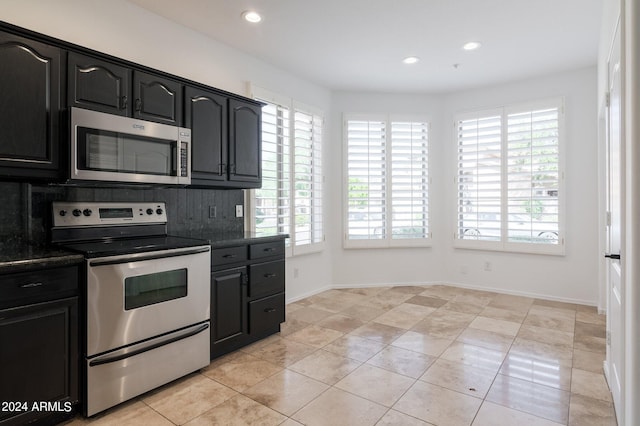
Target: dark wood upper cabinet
x,y
157,99
206,116
245,128
108,87
29,108
99,85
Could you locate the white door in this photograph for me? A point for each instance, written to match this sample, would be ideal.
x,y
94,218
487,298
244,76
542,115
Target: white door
x,y
615,321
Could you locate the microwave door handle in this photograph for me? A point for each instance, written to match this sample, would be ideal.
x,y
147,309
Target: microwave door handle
x,y
107,359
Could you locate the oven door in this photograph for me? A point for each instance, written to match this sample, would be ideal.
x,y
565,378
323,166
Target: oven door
x,y
131,298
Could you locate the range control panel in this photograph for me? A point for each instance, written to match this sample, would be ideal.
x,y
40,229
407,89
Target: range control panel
x,y
107,213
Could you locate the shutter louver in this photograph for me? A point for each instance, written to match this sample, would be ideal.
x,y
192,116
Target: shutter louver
x,y
366,170
533,176
479,178
410,180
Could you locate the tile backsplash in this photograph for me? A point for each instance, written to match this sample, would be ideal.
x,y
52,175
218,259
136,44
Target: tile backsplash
x,y
25,209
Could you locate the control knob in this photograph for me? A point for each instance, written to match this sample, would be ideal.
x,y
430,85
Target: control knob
x,y
87,212
159,211
76,212
149,211
63,213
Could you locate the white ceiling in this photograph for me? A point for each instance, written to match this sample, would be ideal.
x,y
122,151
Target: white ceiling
x,y
359,44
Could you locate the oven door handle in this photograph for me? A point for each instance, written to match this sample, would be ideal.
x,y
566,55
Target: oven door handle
x,y
123,355
163,255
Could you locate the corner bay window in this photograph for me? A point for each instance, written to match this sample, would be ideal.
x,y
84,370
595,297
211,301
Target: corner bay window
x,y
387,183
509,178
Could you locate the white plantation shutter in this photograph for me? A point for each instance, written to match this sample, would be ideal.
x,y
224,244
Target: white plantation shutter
x,y
533,176
272,205
479,178
387,182
410,180
290,200
509,182
308,178
366,179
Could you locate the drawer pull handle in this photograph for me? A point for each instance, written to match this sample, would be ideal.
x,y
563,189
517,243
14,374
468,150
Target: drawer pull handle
x,y
269,249
229,256
269,310
30,285
269,275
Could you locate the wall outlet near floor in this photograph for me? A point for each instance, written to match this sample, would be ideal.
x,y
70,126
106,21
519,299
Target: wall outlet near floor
x,y
296,272
487,266
239,210
212,212
464,269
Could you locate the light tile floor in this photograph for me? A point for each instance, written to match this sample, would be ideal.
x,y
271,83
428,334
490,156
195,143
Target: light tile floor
x,y
411,355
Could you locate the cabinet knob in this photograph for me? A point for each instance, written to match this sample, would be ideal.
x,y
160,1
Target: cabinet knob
x,y
138,104
123,102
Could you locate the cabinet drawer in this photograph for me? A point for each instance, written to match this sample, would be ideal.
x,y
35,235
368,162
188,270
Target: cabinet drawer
x,y
258,251
266,278
37,286
266,313
228,256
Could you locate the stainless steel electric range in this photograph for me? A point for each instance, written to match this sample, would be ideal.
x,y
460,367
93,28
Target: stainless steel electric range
x,y
147,298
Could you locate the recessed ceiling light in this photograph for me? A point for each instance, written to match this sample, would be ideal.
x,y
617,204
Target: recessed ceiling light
x,y
410,60
251,16
472,45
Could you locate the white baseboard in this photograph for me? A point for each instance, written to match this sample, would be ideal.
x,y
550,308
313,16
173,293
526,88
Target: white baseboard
x,y
451,284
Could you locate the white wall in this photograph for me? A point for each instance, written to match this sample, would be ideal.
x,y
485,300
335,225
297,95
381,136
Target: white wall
x,y
384,266
127,31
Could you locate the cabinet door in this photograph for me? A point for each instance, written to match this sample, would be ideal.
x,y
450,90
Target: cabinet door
x,y
157,99
29,107
228,310
245,143
39,355
99,85
206,116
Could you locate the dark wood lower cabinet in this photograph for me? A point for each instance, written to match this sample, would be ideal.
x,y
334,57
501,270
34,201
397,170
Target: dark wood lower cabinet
x,y
247,294
228,309
39,362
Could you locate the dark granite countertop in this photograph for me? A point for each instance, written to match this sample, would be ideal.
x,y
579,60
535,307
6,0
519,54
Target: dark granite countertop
x,y
18,255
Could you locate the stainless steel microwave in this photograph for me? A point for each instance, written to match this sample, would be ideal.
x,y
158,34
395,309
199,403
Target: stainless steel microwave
x,y
112,148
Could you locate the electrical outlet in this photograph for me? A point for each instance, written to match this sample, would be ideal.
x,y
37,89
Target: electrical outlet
x,y
487,266
212,212
239,210
464,269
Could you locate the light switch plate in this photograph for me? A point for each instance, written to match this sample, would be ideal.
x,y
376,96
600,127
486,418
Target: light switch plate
x,y
239,210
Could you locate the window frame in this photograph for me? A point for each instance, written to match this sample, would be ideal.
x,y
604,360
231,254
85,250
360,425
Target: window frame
x,y
388,241
291,249
504,245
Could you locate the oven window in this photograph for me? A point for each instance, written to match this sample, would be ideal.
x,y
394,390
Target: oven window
x,y
103,150
145,290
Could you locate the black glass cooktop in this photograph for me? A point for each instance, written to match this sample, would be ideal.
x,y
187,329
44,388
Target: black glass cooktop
x,y
115,247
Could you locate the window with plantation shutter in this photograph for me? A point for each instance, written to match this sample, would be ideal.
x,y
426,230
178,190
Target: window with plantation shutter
x,y
387,182
308,178
272,203
290,199
509,178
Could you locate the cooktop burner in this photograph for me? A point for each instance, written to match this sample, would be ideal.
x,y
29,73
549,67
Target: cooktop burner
x,y
112,228
114,247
